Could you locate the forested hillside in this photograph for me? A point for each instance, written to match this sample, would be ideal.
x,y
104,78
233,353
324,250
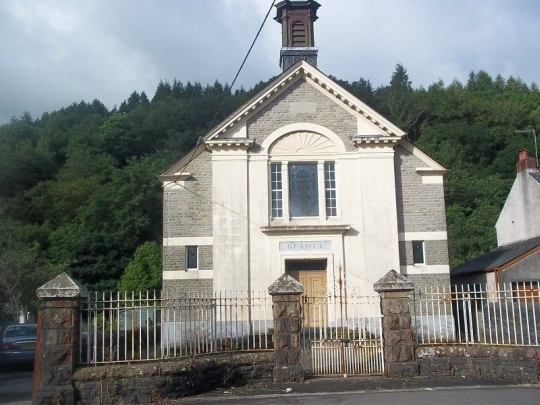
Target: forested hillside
x,y
79,189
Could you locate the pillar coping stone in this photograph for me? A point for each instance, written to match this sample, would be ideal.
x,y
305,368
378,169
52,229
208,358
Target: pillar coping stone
x,y
286,285
62,286
393,281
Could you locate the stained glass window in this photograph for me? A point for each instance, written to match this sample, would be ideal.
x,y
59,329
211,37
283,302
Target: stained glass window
x,y
303,190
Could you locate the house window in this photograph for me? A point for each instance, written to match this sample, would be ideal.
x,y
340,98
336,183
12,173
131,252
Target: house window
x,y
526,291
303,189
277,190
330,189
192,259
418,252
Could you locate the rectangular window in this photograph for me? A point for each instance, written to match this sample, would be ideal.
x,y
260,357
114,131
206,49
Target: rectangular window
x,y
330,189
303,190
276,190
418,252
526,291
192,258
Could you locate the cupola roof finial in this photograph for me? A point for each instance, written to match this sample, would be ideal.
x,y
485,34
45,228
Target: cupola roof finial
x,y
297,35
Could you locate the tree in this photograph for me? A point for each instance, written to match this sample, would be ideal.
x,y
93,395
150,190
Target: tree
x,y
97,243
22,269
163,91
119,138
406,108
143,273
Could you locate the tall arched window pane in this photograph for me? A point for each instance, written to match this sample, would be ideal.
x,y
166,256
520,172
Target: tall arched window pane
x,y
303,190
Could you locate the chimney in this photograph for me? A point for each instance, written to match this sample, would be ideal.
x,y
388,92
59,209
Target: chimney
x,y
298,40
525,162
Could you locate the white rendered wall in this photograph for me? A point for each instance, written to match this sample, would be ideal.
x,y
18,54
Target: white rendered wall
x,y
366,202
230,220
263,270
369,205
520,216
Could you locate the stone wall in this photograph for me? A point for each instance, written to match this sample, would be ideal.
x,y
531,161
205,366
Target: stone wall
x,y
187,213
420,206
281,111
422,281
181,288
518,364
147,382
187,210
151,382
436,252
174,258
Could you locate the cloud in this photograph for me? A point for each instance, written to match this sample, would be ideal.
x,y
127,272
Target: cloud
x,y
60,52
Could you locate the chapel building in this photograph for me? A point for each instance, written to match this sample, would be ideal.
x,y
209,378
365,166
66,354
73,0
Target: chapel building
x,y
303,179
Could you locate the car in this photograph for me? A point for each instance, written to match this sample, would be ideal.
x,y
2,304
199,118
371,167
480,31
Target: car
x,y
18,344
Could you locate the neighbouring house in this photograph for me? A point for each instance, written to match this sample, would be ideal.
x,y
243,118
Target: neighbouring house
x,y
520,217
516,261
303,179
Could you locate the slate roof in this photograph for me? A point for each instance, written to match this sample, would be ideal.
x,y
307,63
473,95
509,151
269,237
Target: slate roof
x,y
497,258
535,176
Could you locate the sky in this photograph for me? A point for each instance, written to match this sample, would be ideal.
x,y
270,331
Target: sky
x,y
57,52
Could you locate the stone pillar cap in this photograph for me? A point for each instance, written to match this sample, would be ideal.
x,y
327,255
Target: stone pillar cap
x,y
62,286
393,281
285,285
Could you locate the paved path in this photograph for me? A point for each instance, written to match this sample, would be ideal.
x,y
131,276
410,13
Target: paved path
x,y
518,395
16,386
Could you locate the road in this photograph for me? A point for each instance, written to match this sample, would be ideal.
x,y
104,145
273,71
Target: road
x,y
447,396
16,385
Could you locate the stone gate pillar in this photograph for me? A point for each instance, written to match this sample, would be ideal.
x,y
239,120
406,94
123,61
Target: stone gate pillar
x,y
394,290
61,303
287,313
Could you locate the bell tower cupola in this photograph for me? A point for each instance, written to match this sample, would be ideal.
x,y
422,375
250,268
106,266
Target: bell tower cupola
x,y
298,40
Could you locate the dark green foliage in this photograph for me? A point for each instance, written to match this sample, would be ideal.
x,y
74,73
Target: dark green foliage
x,y
79,189
23,267
143,273
471,130
84,180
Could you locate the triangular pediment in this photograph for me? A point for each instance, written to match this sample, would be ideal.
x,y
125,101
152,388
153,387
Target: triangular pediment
x,y
372,128
371,125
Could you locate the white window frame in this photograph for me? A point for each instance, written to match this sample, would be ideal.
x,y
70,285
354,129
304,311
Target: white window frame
x,y
330,189
276,189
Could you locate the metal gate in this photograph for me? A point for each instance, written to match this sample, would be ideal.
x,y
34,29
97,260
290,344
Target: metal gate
x,y
343,334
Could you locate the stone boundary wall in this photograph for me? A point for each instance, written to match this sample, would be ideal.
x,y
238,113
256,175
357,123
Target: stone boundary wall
x,y
152,382
146,383
518,364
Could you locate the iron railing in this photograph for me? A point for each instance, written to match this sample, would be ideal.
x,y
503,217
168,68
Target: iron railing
x,y
503,314
120,327
342,334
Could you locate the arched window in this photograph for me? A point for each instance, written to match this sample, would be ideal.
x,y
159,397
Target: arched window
x,y
303,176
298,34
